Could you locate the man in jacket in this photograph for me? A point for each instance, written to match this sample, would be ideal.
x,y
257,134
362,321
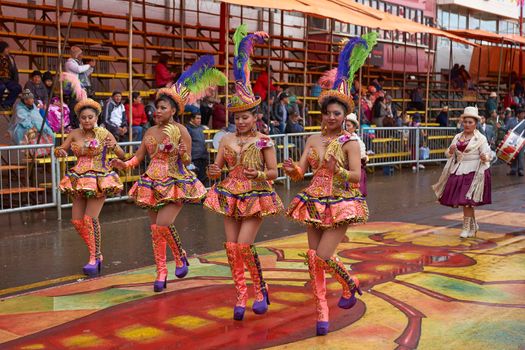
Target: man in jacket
x,y
199,152
139,116
115,116
488,131
8,77
280,113
492,103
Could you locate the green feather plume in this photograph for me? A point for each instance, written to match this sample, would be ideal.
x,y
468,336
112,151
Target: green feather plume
x,y
240,33
210,77
360,53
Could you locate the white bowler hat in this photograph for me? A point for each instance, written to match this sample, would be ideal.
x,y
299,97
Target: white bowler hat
x,y
352,117
471,112
493,94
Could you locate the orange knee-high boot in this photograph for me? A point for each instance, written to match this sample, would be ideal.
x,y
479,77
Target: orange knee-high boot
x,y
317,277
92,268
158,239
349,283
179,255
252,262
237,267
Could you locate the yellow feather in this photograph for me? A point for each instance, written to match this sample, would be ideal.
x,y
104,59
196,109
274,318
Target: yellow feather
x,y
173,133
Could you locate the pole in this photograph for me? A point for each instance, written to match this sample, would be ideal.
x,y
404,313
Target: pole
x,y
500,63
449,74
305,68
521,34
404,71
59,68
428,79
130,72
227,49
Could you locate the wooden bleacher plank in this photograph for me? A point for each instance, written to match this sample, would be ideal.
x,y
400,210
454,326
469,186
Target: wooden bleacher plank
x,y
17,190
12,167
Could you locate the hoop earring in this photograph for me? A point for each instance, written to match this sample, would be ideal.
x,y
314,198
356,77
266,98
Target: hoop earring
x,y
254,130
324,129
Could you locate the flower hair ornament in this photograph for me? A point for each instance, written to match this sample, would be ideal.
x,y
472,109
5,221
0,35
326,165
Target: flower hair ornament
x,y
351,58
244,99
194,82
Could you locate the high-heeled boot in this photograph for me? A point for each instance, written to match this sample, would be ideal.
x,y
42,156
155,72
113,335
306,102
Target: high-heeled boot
x,y
91,269
179,255
237,268
349,283
474,227
467,227
158,234
317,277
252,262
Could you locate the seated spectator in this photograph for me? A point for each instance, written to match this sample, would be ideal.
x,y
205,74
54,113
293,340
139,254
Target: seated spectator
x,y
218,119
47,78
54,116
492,103
509,101
442,118
262,127
391,111
75,65
293,124
115,116
280,113
150,109
163,76
140,119
416,99
379,111
199,152
26,123
37,88
8,77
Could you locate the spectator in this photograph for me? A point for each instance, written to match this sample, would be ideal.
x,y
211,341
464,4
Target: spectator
x,y
218,119
280,113
206,109
516,167
509,101
267,108
455,77
54,116
140,119
492,103
366,109
465,77
442,118
378,83
150,108
199,152
488,131
262,83
379,111
294,125
75,65
262,127
37,87
163,76
47,78
8,77
416,99
391,111
519,89
26,123
416,122
115,116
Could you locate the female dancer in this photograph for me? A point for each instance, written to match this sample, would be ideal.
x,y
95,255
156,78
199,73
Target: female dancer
x,y
466,179
351,126
90,181
246,195
330,203
167,183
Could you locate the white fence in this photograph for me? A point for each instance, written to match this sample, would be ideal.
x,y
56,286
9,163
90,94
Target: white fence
x,y
31,182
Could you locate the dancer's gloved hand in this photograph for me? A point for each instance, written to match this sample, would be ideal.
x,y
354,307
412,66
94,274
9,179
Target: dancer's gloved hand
x,y
250,173
117,163
214,170
182,149
289,165
110,143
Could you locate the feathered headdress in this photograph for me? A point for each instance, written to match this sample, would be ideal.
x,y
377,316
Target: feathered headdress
x,y
351,58
244,99
194,82
72,86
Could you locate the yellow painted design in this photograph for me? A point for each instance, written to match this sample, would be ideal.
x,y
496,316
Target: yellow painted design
x,y
33,347
221,312
139,333
40,284
290,296
82,341
188,322
406,256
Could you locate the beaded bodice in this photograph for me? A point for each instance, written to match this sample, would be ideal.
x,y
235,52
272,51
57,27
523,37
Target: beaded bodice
x,y
91,154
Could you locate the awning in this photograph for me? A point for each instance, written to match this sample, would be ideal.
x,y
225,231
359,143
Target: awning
x,y
352,13
477,34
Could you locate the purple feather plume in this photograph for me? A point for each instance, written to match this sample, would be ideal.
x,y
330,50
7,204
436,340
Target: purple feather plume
x,y
343,67
191,75
242,60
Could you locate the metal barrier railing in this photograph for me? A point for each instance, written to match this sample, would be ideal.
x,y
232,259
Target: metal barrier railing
x,y
32,183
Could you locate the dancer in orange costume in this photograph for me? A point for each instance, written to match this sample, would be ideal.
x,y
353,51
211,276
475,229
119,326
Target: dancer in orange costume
x,y
332,201
167,183
91,180
246,195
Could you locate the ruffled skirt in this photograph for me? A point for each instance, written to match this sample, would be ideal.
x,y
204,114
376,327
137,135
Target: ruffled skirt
x,y
328,212
91,184
154,194
244,205
455,192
